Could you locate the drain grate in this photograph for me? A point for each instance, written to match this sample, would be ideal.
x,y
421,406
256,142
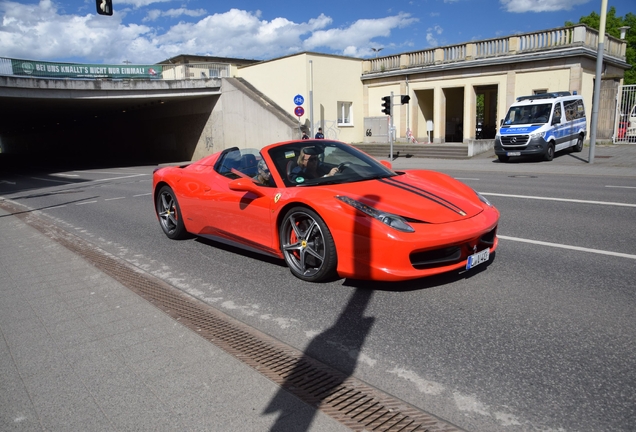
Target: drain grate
x,y
346,399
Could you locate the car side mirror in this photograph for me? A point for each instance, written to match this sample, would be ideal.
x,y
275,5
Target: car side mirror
x,y
245,184
556,120
387,164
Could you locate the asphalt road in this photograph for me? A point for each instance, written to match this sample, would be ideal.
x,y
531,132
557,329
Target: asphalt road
x,y
543,337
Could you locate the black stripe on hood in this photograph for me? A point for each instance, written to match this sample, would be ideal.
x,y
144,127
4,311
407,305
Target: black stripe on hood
x,y
424,194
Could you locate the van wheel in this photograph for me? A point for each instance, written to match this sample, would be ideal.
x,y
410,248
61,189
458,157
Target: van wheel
x,y
549,153
503,158
579,145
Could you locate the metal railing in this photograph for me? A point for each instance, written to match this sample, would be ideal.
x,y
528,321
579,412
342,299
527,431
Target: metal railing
x,y
546,40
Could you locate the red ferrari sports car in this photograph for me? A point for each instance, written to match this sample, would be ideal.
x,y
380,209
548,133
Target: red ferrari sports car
x,y
328,209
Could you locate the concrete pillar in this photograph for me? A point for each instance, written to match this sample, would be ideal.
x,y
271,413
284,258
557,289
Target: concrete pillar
x,y
470,51
579,35
404,61
439,116
470,113
514,43
439,56
576,79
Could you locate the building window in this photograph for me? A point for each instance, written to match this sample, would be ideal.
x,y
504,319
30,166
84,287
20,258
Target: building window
x,y
345,114
537,92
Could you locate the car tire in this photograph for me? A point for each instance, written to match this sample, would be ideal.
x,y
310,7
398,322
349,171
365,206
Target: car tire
x,y
579,145
169,214
549,152
503,158
307,245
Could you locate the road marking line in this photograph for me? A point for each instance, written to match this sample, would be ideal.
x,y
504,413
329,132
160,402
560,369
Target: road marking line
x,y
465,178
119,178
101,172
560,199
562,246
149,193
110,199
65,175
621,187
86,202
51,180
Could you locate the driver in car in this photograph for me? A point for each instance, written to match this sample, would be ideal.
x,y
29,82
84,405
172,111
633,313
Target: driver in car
x,y
308,166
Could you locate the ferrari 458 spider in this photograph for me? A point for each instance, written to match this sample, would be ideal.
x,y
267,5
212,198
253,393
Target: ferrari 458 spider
x,y
328,209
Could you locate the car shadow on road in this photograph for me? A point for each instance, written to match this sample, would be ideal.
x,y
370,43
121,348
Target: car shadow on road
x,y
240,251
340,345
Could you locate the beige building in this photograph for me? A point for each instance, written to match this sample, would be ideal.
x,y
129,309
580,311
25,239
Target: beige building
x,y
330,86
445,83
458,94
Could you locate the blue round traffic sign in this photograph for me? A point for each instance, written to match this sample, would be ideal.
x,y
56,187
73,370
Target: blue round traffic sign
x,y
299,111
299,100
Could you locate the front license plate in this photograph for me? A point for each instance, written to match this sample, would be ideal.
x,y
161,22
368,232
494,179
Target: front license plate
x,y
478,258
513,154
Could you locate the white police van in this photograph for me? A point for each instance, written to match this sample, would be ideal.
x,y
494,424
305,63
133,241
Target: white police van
x,y
542,124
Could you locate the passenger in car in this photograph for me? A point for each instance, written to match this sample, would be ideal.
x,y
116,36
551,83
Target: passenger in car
x,y
264,176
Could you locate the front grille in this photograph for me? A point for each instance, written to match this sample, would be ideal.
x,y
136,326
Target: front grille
x,y
435,258
488,239
514,140
449,255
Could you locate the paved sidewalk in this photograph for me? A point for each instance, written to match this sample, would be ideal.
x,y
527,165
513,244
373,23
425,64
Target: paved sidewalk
x,y
80,352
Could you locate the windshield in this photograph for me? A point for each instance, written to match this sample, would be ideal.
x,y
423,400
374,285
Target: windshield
x,y
528,114
316,162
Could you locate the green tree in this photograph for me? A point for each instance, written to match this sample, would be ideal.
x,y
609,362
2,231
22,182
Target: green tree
x,y
612,27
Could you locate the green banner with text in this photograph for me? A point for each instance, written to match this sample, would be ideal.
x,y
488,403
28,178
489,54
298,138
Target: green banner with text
x,y
72,70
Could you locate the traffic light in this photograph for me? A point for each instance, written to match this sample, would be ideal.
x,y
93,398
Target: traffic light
x,y
404,99
386,105
104,7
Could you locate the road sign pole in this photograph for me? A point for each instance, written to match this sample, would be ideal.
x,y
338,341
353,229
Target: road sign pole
x,y
391,128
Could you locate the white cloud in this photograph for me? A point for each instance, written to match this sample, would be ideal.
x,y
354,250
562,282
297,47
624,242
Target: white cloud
x,y
41,31
520,6
154,14
37,31
355,40
430,35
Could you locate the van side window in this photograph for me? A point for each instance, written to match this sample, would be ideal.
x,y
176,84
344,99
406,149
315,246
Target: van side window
x,y
574,109
580,109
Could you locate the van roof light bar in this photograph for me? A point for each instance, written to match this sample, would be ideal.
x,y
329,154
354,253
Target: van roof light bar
x,y
544,96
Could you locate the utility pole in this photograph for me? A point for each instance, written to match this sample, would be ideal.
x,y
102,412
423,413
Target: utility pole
x,y
391,127
597,80
311,98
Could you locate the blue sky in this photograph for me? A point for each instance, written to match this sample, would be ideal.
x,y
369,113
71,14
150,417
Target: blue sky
x,y
149,31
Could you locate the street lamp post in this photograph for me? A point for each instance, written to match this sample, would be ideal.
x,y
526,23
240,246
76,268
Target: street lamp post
x,y
597,81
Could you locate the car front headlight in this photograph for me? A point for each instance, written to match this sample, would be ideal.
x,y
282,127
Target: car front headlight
x,y
483,199
537,135
390,219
